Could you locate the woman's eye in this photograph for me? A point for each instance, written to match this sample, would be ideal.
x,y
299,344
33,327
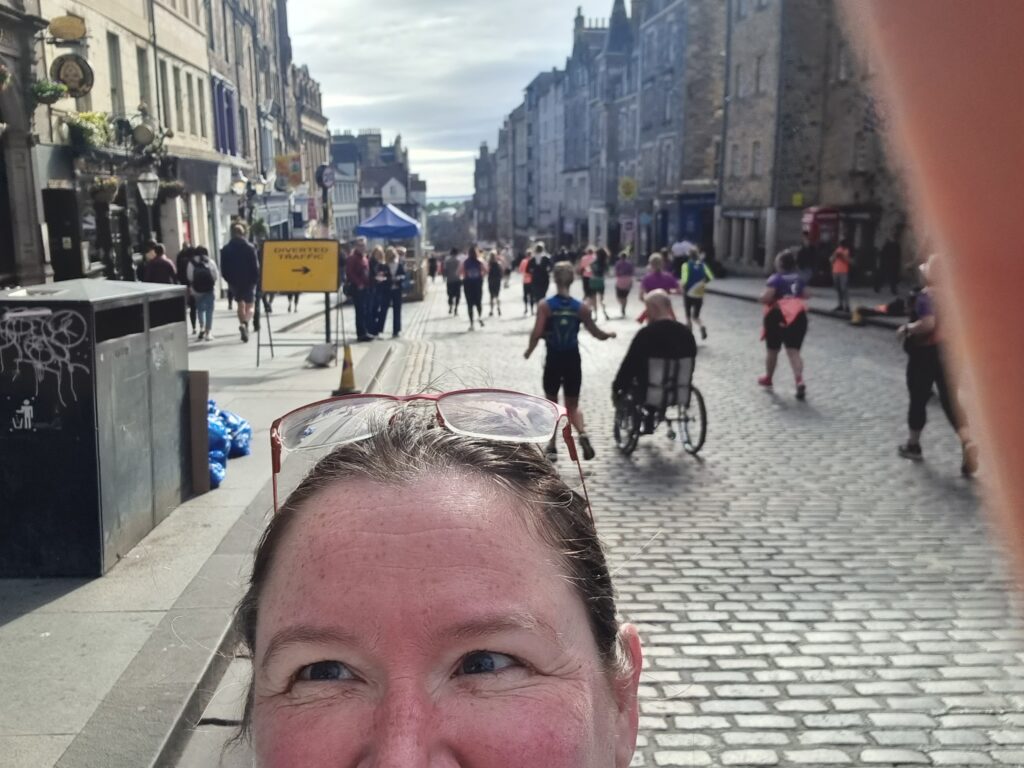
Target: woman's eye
x,y
484,662
325,671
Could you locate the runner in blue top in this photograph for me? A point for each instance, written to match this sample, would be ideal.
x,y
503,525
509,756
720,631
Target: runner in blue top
x,y
558,322
694,278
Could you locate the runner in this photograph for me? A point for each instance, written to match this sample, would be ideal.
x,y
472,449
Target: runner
x,y
524,270
785,320
598,273
558,323
495,275
624,276
926,372
452,269
540,267
586,272
657,277
695,278
472,273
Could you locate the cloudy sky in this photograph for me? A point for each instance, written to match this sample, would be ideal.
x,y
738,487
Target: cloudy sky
x,y
443,73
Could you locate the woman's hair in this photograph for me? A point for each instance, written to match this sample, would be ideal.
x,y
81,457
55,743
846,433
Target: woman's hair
x,y
492,256
786,260
473,254
390,253
564,274
602,256
656,262
411,448
377,253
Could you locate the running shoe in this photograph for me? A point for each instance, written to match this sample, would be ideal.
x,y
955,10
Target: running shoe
x,y
801,390
588,449
970,461
703,333
481,322
244,333
911,451
765,381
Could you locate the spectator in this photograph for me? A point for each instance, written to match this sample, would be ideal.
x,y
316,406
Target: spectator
x,y
181,266
841,275
395,264
158,268
890,263
357,278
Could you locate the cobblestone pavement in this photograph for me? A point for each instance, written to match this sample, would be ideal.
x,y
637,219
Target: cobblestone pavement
x,y
804,596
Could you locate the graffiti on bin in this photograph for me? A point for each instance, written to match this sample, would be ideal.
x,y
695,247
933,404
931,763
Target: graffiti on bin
x,y
44,341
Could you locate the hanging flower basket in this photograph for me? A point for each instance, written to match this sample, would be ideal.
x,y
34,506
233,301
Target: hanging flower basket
x,y
104,189
258,229
87,131
5,77
171,189
48,91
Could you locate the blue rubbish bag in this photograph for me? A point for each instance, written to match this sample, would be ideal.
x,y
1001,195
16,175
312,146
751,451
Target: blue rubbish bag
x,y
239,433
217,473
219,439
219,457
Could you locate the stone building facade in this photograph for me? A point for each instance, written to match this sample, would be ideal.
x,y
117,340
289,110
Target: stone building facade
x,y
800,133
485,198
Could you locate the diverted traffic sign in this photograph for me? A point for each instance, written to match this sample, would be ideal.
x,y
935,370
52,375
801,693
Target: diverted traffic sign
x,y
300,266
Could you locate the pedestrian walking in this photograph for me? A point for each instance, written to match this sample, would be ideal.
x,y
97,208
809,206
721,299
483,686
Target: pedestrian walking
x,y
890,262
624,275
695,278
293,301
357,282
241,269
657,277
495,276
558,322
506,261
181,266
432,266
585,272
598,272
157,267
394,259
452,268
540,269
380,285
841,261
202,274
473,272
926,373
785,320
528,303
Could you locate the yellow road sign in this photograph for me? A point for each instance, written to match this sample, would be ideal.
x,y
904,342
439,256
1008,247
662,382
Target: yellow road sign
x,y
300,266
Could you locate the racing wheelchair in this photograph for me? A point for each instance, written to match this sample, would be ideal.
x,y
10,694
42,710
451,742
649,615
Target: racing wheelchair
x,y
670,399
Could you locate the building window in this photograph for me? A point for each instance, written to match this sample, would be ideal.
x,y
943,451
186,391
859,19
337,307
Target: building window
x,y
165,95
191,91
179,105
738,84
756,160
759,74
201,87
243,124
860,153
145,91
741,9
734,160
116,80
195,13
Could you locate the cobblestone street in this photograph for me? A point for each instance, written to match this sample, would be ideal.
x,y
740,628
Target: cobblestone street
x,y
805,597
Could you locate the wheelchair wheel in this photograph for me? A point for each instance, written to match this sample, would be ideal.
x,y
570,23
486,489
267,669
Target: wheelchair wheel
x,y
694,423
627,427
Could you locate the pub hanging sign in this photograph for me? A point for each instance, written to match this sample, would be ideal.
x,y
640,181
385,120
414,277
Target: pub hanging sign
x,y
75,72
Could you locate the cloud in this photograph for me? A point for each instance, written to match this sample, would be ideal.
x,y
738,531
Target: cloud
x,y
443,73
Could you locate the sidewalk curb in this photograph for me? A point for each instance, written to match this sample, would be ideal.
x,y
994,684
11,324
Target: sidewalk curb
x,y
878,322
160,697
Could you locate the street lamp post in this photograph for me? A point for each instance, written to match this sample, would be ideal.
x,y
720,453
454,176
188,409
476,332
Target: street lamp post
x,y
148,185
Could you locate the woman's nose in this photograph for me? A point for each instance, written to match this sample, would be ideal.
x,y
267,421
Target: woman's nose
x,y
406,733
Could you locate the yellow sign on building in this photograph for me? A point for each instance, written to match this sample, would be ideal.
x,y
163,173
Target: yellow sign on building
x,y
300,266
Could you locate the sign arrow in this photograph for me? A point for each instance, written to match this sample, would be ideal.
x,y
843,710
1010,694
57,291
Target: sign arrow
x,y
303,270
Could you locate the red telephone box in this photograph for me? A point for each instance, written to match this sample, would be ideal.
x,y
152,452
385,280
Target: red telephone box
x,y
821,225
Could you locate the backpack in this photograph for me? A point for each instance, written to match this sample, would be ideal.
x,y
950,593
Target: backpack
x,y
202,278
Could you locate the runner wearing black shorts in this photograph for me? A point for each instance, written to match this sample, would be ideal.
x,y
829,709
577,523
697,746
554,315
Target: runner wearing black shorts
x,y
559,319
785,320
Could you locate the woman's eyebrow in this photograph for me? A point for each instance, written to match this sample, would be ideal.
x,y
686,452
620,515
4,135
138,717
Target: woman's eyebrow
x,y
305,633
485,626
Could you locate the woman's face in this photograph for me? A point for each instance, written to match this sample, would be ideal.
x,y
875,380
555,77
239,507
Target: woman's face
x,y
424,625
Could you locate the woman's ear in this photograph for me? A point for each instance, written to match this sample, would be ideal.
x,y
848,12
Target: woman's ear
x,y
627,684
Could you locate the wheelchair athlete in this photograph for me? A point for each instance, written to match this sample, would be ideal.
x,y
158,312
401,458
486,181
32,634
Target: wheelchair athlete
x,y
663,338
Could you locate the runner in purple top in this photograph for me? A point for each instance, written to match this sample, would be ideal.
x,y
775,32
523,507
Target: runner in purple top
x,y
785,320
791,284
657,277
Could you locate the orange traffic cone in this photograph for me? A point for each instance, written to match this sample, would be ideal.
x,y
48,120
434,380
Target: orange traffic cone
x,y
348,375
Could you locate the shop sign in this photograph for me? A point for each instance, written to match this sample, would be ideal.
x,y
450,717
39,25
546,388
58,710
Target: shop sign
x,y
67,28
75,72
798,200
289,168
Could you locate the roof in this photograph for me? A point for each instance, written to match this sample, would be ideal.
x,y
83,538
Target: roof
x,y
620,32
376,176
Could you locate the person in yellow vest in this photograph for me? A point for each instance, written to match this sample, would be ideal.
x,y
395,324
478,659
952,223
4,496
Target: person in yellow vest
x,y
695,276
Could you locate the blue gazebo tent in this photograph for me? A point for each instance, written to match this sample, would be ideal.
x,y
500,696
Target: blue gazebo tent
x,y
389,223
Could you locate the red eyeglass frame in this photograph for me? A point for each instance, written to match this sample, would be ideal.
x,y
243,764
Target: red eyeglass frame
x,y
277,445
